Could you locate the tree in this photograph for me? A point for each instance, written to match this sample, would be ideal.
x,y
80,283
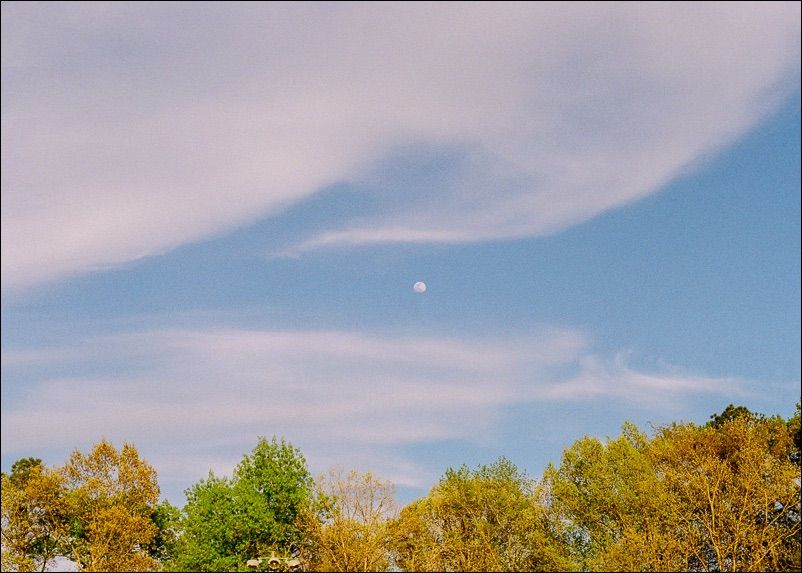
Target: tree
x,y
256,512
350,530
34,516
617,513
720,497
167,519
796,434
21,470
112,496
730,413
211,538
488,519
739,490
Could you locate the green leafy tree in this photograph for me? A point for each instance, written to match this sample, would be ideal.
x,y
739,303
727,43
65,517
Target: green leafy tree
x,y
211,532
256,512
22,469
167,519
732,412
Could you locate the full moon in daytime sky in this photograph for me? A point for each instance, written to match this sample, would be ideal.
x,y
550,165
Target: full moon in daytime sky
x,y
419,286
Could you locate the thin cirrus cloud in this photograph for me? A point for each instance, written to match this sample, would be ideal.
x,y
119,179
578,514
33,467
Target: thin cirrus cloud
x,y
194,399
130,129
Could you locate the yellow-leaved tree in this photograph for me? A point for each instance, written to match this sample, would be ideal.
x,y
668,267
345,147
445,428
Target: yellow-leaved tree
x,y
738,489
350,530
488,519
112,496
724,496
34,516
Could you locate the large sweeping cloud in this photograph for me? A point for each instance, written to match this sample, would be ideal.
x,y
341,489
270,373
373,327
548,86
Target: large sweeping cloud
x,y
130,129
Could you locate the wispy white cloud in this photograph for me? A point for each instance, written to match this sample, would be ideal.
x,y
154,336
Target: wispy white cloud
x,y
129,129
196,399
615,378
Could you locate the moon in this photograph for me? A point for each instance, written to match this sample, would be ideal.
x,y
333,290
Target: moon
x,y
419,287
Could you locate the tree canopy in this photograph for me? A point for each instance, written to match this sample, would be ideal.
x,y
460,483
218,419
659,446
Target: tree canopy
x,y
486,519
721,496
256,512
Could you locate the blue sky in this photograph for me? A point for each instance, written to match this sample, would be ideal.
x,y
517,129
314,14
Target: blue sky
x,y
213,216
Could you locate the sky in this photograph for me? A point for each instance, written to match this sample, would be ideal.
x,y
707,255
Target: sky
x,y
213,215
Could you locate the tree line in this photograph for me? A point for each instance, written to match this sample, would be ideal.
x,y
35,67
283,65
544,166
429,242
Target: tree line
x,y
723,496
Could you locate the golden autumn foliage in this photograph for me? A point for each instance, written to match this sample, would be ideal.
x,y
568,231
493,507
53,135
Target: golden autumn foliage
x,y
619,515
720,497
483,520
35,512
724,496
351,529
112,497
736,493
96,511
